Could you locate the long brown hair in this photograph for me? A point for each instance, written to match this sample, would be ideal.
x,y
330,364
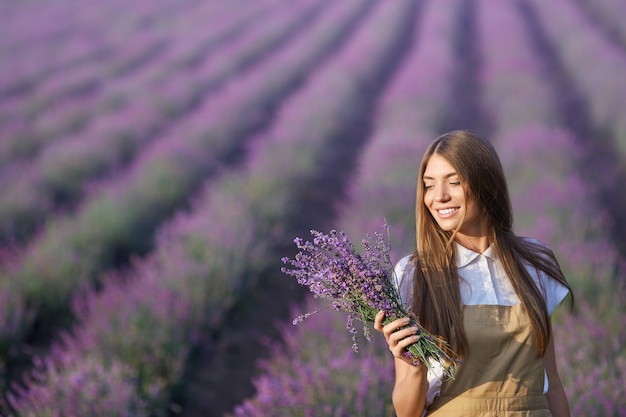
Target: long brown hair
x,y
436,290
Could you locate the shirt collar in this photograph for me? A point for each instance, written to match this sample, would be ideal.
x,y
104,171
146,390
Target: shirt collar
x,y
465,256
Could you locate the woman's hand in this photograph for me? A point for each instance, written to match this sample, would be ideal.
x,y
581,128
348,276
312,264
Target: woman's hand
x,y
397,335
409,390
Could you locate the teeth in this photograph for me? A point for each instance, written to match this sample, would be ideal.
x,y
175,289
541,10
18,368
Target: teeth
x,y
446,211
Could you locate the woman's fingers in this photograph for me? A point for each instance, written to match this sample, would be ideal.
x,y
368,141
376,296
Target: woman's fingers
x,y
378,320
395,325
397,334
400,336
399,350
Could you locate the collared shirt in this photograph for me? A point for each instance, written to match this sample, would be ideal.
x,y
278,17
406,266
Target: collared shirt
x,y
482,280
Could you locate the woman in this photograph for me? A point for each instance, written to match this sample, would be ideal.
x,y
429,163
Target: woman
x,y
488,292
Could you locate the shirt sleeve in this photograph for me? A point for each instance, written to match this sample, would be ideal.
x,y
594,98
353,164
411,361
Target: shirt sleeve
x,y
554,291
434,377
403,280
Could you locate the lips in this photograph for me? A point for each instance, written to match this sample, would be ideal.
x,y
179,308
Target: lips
x,y
447,212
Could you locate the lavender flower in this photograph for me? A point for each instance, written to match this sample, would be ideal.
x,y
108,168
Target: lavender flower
x,y
361,285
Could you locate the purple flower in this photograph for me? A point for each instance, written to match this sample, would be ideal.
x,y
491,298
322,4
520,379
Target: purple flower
x,y
361,285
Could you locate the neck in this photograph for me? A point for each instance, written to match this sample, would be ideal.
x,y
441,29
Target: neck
x,y
478,244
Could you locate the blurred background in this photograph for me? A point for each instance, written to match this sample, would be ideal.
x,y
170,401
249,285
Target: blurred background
x,y
157,159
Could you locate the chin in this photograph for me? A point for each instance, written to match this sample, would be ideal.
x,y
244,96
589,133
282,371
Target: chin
x,y
447,228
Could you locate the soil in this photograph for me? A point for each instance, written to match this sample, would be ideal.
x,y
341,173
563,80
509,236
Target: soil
x,y
222,368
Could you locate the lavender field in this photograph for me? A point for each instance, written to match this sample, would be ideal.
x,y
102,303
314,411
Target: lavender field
x,y
157,158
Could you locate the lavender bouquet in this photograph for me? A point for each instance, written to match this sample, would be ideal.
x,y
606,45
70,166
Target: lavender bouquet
x,y
362,285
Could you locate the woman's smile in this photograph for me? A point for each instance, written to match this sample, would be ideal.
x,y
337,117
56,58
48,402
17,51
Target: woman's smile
x,y
449,201
447,212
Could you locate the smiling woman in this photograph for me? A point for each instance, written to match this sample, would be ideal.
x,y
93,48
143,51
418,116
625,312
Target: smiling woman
x,y
486,291
445,197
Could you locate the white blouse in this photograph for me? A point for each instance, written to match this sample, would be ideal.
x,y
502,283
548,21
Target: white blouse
x,y
482,281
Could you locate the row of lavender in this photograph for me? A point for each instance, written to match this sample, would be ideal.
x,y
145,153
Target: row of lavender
x,y
592,61
38,42
38,45
50,162
127,205
557,206
608,15
315,370
50,64
121,214
135,333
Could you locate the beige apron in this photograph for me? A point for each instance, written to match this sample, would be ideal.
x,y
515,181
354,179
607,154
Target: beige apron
x,y
501,374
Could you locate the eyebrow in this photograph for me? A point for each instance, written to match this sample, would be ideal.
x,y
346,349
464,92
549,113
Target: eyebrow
x,y
452,174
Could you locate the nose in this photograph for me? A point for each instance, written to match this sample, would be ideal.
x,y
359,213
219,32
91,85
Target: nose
x,y
441,194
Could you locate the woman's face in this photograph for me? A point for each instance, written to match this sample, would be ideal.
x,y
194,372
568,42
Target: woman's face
x,y
447,201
